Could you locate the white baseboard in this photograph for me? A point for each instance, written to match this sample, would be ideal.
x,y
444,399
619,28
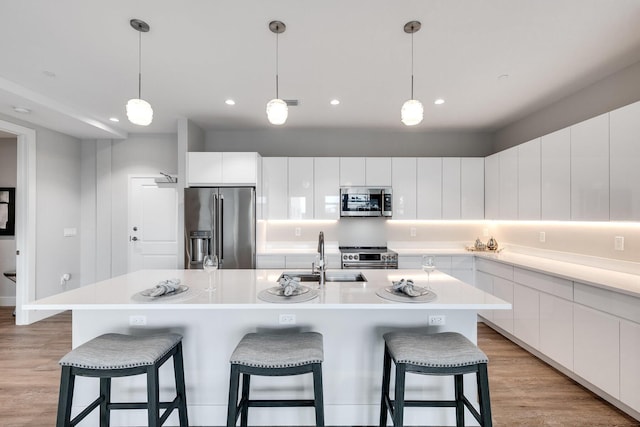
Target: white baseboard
x,y
7,301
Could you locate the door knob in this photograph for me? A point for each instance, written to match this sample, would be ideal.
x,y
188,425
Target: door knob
x,y
134,238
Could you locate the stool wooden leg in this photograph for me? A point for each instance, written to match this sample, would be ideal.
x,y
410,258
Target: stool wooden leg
x,y
459,390
386,380
178,369
398,410
232,405
318,396
244,400
153,396
65,399
483,396
105,394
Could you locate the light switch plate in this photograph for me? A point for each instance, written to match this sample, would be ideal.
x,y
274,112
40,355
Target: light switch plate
x,y
542,236
618,244
69,232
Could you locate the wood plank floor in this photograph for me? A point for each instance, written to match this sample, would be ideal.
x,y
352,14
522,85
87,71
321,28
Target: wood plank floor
x,y
524,390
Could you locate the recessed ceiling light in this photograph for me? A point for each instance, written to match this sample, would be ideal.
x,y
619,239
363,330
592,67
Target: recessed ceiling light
x,y
335,102
230,102
439,101
114,119
23,110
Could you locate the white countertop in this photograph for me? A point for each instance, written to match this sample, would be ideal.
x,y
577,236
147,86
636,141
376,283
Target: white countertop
x,y
238,289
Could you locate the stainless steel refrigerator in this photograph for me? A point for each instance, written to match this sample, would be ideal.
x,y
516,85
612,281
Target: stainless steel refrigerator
x,y
221,221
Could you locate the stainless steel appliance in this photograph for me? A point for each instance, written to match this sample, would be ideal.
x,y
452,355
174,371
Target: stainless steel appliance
x,y
368,257
221,221
366,202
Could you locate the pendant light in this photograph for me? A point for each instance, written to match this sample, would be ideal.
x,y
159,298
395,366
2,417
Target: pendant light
x,y
412,111
277,110
139,111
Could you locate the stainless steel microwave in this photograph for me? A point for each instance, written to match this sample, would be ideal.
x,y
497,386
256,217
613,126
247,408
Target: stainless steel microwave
x,y
366,202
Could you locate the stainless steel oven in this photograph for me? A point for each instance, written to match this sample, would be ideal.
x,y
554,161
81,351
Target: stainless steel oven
x,y
366,202
368,257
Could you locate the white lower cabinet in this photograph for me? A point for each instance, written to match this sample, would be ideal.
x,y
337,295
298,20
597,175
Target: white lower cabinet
x,y
484,282
596,348
503,289
526,314
629,364
556,329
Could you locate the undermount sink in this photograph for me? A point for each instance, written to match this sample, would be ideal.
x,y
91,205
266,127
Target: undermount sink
x,y
330,276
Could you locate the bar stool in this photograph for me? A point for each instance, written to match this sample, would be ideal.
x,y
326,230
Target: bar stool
x,y
116,355
446,353
275,354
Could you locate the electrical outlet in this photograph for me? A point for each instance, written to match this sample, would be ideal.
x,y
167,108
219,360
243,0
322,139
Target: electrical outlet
x,y
287,319
298,231
412,232
437,319
542,236
618,243
138,320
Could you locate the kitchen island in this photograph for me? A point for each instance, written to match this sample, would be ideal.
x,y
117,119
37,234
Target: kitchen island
x,y
351,317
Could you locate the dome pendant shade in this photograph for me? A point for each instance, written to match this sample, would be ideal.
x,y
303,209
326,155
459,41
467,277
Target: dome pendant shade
x,y
412,112
139,112
277,111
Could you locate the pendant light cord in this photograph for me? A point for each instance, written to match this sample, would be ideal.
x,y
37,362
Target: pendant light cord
x,y
277,38
139,65
412,61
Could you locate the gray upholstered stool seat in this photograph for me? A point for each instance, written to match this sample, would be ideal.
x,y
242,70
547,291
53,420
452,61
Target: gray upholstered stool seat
x,y
275,354
446,353
116,355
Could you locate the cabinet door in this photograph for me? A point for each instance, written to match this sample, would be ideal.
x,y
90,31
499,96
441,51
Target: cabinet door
x,y
492,186
529,180
326,187
629,366
451,188
503,289
596,348
590,170
526,314
556,329
274,187
555,152
204,168
403,175
472,188
239,168
378,171
352,171
484,282
509,183
300,187
625,158
429,188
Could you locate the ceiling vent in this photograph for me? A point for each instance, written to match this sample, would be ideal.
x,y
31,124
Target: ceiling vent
x,y
292,102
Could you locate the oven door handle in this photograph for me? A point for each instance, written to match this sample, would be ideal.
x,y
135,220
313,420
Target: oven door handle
x,y
364,264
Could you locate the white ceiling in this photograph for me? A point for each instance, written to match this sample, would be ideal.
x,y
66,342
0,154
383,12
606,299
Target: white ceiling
x,y
200,52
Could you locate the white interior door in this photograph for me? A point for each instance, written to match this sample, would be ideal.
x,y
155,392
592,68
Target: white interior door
x,y
153,221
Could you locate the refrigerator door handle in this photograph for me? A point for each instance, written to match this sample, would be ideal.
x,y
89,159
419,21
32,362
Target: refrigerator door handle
x,y
220,229
214,222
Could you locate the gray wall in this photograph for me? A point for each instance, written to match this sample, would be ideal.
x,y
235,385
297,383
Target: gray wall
x,y
8,153
618,89
351,142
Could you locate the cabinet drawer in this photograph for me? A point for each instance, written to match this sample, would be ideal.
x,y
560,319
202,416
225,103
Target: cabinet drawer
x,y
615,303
464,262
552,285
496,268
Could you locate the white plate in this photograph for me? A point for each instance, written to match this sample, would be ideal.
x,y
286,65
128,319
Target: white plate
x,y
145,294
279,291
392,295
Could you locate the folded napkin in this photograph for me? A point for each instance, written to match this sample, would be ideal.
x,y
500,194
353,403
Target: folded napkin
x,y
289,284
406,287
163,288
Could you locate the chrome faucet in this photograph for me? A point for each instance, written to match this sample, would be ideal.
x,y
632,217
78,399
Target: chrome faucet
x,y
321,267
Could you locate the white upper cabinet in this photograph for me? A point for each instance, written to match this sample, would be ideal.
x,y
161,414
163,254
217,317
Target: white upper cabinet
x,y
378,171
451,188
326,187
404,182
222,168
625,161
555,153
529,180
472,188
590,169
429,188
492,186
274,187
352,171
508,183
300,194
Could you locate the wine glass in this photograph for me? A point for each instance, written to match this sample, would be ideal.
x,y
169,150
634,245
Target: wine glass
x,y
210,264
428,265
